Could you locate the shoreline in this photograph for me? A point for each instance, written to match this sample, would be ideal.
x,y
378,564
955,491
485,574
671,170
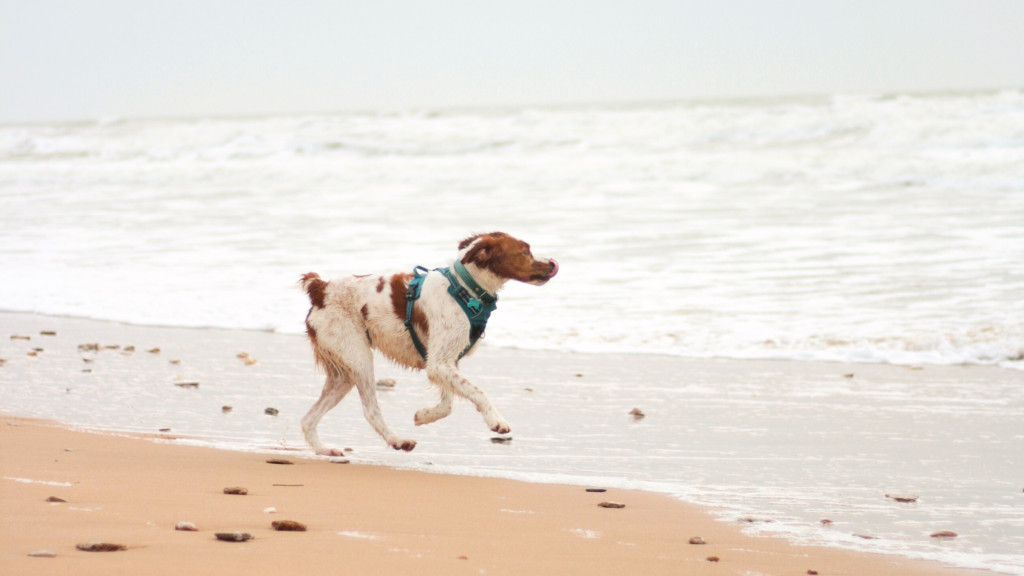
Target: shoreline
x,y
367,519
715,435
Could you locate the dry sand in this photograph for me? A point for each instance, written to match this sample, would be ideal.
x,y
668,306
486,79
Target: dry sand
x,y
361,519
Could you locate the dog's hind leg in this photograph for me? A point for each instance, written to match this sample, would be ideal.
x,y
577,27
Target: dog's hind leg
x,y
335,388
363,373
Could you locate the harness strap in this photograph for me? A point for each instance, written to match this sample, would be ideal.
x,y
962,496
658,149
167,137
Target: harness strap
x,y
412,293
477,306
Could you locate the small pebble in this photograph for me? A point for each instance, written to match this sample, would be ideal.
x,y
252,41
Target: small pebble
x,y
43,554
100,547
176,361
49,332
598,490
236,490
234,536
697,540
637,413
20,337
186,527
187,384
226,409
270,510
288,526
826,522
251,361
902,497
279,461
153,350
850,375
611,505
944,534
165,429
55,499
242,355
129,348
271,411
812,572
712,558
386,383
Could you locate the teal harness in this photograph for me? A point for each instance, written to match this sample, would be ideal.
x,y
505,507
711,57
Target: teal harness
x,y
476,303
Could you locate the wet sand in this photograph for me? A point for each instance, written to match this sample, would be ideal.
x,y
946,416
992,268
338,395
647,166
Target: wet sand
x,y
361,519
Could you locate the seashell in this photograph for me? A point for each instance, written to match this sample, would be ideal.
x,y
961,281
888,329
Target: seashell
x,y
234,536
186,527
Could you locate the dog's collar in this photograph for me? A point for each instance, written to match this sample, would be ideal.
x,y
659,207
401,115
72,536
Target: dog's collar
x,y
482,295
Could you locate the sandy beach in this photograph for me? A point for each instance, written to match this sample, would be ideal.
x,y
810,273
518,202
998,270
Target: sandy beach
x,y
361,519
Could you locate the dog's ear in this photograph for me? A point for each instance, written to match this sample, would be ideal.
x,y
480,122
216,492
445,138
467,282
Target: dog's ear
x,y
468,241
479,254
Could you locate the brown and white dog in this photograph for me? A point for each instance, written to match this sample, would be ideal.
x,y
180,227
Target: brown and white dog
x,y
352,315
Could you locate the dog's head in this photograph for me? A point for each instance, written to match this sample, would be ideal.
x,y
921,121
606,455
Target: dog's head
x,y
507,257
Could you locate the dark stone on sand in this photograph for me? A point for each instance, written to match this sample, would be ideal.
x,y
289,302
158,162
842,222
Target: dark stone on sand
x,y
153,350
598,490
55,499
697,540
611,505
813,572
637,413
226,408
48,332
271,411
288,526
279,461
712,558
944,534
165,429
238,490
234,536
902,497
101,547
188,384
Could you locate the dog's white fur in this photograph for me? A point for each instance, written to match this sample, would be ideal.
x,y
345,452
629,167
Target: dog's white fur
x,y
352,315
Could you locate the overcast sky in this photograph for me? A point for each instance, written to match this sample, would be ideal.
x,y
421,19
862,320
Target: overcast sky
x,y
86,59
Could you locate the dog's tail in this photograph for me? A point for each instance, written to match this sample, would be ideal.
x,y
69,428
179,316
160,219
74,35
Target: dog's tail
x,y
315,288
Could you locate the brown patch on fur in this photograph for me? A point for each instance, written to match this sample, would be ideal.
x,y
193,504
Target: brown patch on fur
x,y
506,256
315,288
399,284
365,311
380,284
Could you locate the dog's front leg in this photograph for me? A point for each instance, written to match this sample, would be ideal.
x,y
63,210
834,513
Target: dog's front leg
x,y
446,377
435,413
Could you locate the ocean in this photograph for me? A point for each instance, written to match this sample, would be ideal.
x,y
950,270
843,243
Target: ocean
x,y
869,229
851,228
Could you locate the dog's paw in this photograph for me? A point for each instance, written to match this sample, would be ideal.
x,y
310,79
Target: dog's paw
x,y
501,427
330,452
401,444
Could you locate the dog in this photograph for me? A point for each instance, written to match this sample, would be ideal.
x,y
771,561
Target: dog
x,y
351,316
